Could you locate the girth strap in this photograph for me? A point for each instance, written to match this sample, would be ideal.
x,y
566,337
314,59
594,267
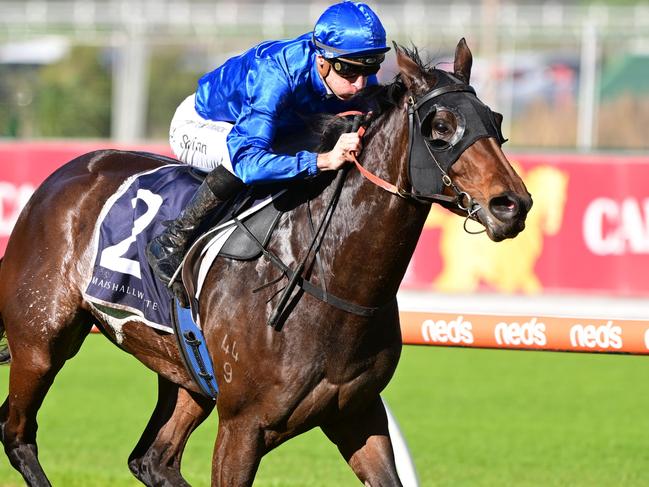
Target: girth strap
x,y
307,286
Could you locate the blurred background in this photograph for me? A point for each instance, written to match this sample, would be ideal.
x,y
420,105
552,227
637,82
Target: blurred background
x,y
565,74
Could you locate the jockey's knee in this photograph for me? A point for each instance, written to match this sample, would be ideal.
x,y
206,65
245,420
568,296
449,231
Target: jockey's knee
x,y
223,183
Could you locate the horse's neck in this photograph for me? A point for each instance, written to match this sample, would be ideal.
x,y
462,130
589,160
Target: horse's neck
x,y
376,231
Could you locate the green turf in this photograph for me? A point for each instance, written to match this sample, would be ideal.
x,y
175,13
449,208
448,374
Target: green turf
x,y
471,417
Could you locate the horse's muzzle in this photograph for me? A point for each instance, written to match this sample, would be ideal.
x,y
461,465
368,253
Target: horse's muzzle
x,y
509,206
508,212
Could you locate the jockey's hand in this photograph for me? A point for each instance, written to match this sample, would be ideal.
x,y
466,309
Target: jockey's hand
x,y
341,153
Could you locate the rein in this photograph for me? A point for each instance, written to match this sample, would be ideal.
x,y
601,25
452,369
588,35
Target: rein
x,y
382,183
461,200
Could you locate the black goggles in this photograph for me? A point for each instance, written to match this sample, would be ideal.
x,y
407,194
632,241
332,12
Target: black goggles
x,y
354,67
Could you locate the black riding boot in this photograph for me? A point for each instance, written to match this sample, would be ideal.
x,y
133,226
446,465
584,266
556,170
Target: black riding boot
x,y
166,251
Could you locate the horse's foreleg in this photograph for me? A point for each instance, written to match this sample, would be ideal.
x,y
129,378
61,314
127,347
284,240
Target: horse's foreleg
x,y
364,442
37,356
156,458
238,451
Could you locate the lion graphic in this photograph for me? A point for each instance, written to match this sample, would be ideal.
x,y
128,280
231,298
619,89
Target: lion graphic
x,y
508,266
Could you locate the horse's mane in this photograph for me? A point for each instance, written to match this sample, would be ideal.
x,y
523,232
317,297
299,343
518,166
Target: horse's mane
x,y
380,100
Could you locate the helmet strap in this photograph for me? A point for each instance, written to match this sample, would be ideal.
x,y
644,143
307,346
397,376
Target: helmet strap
x,y
324,69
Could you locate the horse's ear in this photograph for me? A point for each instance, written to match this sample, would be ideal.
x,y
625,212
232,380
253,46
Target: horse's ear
x,y
463,61
410,70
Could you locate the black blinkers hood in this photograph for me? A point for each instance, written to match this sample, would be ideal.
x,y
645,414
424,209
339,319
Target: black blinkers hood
x,y
428,163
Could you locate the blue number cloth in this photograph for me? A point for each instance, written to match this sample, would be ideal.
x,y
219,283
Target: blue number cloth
x,y
121,277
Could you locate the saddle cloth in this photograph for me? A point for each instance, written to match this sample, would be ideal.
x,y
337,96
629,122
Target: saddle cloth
x,y
121,277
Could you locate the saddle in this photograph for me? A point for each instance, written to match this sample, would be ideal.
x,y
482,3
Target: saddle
x,y
121,277
244,225
260,225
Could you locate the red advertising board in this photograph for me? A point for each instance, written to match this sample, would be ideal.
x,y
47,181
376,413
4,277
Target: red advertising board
x,y
588,231
25,165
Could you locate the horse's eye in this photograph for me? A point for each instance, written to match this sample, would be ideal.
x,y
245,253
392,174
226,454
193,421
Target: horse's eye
x,y
441,127
445,128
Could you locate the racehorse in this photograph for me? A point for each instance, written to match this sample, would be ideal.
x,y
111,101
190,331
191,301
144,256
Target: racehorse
x,y
327,364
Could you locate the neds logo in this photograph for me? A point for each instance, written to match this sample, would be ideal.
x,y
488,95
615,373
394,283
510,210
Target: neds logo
x,y
528,333
591,336
456,331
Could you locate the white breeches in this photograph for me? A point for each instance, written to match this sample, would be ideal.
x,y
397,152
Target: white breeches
x,y
199,142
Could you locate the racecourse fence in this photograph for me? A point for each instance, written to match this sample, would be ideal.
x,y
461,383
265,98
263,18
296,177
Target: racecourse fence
x,y
544,323
526,332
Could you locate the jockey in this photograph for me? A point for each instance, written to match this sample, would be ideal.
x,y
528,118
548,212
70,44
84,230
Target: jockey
x,y
228,126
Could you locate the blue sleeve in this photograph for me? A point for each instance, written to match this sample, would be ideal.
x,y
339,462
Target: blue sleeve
x,y
267,93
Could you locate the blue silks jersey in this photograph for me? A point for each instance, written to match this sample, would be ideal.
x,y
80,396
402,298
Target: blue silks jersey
x,y
266,92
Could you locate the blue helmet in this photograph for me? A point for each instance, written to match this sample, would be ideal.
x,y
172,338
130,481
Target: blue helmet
x,y
349,29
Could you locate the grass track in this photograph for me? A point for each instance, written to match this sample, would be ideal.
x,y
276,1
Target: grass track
x,y
471,417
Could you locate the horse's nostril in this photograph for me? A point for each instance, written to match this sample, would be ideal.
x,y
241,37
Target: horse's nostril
x,y
504,207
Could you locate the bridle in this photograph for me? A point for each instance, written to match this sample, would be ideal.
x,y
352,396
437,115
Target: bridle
x,y
461,199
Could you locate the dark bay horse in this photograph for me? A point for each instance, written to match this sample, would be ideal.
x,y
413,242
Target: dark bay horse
x,y
326,366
